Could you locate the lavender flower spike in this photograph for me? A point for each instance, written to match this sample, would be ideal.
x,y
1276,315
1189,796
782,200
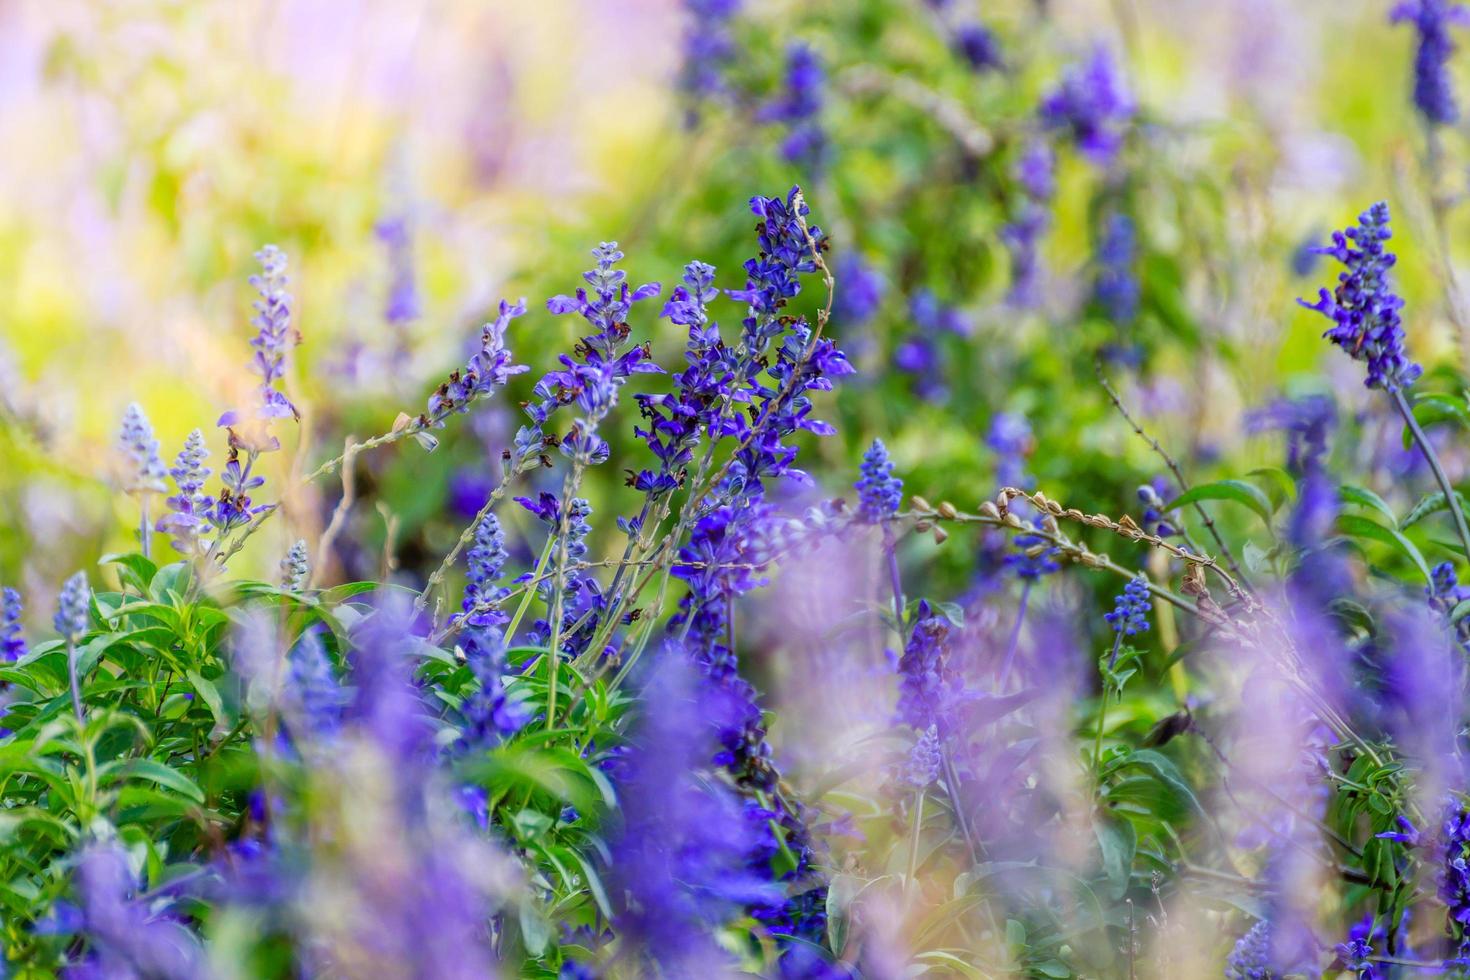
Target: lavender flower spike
x,y
1364,308
143,470
71,623
880,493
1434,95
12,639
273,321
1092,105
189,508
295,568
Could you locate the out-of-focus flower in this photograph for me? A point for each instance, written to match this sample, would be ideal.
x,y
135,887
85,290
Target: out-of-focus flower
x,y
1116,285
1251,957
683,858
295,568
125,938
709,49
861,294
72,608
1034,173
978,45
924,672
1307,423
1364,306
313,696
1092,105
275,335
143,471
922,768
880,493
799,106
12,636
1434,93
401,307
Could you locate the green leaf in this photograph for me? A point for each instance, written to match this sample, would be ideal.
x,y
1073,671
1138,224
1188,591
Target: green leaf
x,y
1357,526
1430,503
1367,498
594,885
161,774
209,694
1278,484
1234,490
1118,841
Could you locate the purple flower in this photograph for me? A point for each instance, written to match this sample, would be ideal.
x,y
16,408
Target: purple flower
x,y
72,608
605,363
1130,609
402,305
1010,439
683,859
582,598
1355,951
313,694
925,680
1307,423
1364,308
1092,105
1454,876
190,507
978,45
708,51
125,936
274,334
490,367
1116,286
485,559
490,714
234,507
1153,521
12,637
1434,93
861,294
920,353
143,470
702,392
295,568
1251,957
799,106
880,493
922,767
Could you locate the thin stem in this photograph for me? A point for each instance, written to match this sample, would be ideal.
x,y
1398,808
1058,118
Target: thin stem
x,y
1174,469
73,679
466,536
908,884
1010,658
1432,458
145,537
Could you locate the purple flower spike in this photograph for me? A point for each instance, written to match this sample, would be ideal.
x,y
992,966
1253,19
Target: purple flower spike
x,y
1434,93
12,637
1092,105
275,336
1364,307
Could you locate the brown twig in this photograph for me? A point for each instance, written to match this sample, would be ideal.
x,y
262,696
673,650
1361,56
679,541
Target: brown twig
x,y
1173,466
339,513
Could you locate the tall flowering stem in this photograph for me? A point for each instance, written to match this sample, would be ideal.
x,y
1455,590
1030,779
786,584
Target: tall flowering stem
x,y
1364,309
71,623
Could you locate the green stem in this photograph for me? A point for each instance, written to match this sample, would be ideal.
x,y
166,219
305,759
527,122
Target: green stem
x,y
1432,458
